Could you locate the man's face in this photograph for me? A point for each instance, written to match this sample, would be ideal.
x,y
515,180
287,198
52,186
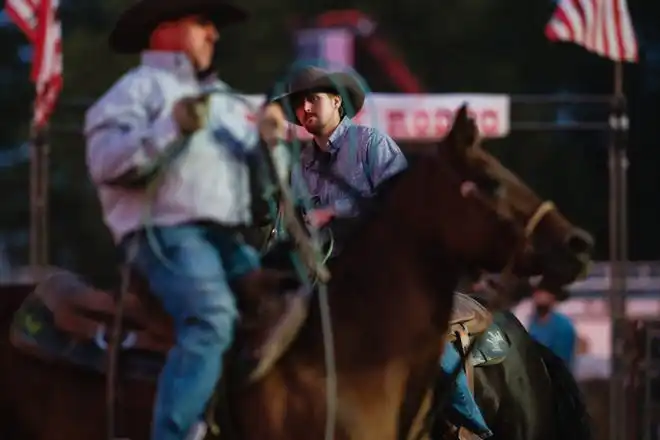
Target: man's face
x,y
543,298
317,111
193,35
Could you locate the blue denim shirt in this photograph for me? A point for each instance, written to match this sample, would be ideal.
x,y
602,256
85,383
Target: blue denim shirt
x,y
362,156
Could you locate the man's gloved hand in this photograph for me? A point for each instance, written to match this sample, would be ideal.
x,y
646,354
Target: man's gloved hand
x,y
191,113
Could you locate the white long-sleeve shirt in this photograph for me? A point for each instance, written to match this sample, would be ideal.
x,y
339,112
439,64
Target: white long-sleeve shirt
x,y
132,124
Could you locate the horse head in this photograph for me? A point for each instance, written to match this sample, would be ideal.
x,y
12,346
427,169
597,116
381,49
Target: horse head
x,y
456,209
552,245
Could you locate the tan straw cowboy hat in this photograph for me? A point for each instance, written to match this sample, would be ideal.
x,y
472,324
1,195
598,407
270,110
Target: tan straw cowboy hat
x,y
316,79
135,25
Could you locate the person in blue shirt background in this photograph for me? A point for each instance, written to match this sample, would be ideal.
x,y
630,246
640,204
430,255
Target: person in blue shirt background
x,y
552,328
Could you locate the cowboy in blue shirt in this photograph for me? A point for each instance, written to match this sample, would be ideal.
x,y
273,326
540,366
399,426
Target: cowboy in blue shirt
x,y
552,328
361,158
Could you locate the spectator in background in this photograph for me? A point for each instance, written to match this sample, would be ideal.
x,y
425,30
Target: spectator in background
x,y
552,328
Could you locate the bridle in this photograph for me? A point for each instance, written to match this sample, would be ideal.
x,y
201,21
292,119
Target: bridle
x,y
506,275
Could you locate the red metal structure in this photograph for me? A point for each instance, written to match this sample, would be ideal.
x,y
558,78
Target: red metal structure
x,y
364,29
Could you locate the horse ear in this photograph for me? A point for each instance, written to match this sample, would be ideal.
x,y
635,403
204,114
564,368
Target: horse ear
x,y
462,117
464,132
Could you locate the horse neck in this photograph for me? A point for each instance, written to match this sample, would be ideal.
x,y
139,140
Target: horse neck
x,y
384,295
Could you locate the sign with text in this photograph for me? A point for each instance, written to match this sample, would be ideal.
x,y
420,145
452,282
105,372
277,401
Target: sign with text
x,y
428,117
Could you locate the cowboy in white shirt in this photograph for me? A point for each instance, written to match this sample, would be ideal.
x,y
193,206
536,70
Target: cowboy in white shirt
x,y
189,251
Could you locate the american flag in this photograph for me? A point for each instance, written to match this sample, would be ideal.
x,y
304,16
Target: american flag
x,y
39,20
600,26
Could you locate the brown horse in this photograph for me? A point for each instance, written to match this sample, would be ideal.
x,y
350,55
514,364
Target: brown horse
x,y
390,299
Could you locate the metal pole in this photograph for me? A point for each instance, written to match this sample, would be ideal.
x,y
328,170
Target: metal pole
x,y
39,157
618,218
44,248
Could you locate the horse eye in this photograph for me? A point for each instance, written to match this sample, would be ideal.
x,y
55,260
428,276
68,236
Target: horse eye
x,y
488,185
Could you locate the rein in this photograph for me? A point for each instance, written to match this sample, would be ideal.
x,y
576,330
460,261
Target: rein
x,y
530,227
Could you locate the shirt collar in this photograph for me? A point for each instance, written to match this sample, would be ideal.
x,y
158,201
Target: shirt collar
x,y
334,143
175,62
550,317
179,64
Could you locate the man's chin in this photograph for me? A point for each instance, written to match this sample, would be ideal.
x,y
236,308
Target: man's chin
x,y
202,63
312,128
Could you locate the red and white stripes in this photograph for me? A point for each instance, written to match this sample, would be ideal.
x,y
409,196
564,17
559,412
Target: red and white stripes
x,y
39,20
600,26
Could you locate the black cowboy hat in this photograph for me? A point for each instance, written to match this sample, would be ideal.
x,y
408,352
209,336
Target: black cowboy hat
x,y
135,25
311,79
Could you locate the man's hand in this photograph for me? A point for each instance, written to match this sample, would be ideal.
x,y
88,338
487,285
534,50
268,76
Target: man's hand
x,y
318,218
272,124
190,113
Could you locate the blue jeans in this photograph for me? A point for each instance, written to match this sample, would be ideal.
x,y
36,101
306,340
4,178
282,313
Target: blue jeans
x,y
188,268
463,410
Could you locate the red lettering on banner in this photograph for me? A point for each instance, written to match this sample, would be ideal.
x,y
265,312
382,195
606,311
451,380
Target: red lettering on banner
x,y
421,123
396,124
489,123
435,124
429,123
443,120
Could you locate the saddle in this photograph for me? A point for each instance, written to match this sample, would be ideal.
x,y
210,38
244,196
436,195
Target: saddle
x,y
468,317
68,312
469,321
86,313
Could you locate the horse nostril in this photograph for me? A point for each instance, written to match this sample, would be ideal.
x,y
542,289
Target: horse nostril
x,y
579,242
